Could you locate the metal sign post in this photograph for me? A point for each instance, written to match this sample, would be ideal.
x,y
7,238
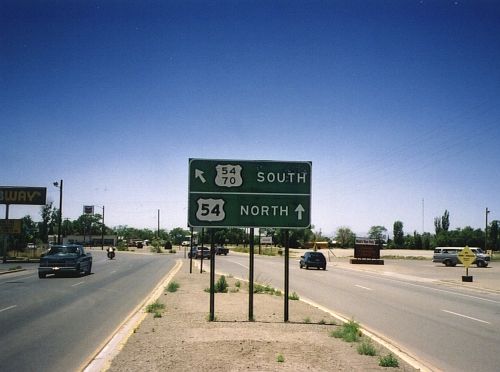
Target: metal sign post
x,y
212,276
250,277
287,273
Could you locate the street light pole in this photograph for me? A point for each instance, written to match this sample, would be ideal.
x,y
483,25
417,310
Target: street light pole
x,y
102,231
102,227
59,185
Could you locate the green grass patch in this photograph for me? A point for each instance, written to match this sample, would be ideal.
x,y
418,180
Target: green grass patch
x,y
155,307
173,286
15,268
349,332
237,284
366,348
280,358
388,361
294,296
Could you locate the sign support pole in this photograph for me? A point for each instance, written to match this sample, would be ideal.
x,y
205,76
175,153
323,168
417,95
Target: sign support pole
x,y
212,276
5,240
286,273
190,253
202,246
250,278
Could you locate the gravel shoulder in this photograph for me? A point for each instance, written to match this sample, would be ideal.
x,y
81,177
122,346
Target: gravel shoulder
x,y
183,339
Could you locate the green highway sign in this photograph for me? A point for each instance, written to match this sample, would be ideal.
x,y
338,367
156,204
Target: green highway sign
x,y
242,193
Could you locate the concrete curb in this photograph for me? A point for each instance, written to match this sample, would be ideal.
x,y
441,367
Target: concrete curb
x,y
11,271
103,356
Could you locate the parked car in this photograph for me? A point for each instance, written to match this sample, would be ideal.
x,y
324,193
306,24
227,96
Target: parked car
x,y
313,259
65,259
221,250
449,256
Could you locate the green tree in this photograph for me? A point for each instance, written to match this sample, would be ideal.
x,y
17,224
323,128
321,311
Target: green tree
x,y
445,220
378,233
178,234
46,227
345,237
493,236
399,237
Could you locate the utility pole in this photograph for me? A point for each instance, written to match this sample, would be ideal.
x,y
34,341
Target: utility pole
x,y
102,230
486,232
59,185
158,231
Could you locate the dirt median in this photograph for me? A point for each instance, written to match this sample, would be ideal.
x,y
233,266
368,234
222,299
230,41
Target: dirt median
x,y
183,339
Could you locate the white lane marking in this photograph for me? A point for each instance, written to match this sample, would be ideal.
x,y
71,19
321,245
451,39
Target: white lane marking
x,y
112,272
426,287
74,285
237,263
360,286
8,308
465,316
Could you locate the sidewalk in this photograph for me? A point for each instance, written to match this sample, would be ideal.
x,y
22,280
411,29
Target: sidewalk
x,y
183,339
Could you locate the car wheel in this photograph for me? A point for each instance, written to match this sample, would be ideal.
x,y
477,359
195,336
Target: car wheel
x,y
307,267
447,263
480,264
89,269
324,267
41,276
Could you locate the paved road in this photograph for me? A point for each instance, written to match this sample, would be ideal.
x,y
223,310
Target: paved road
x,y
55,324
450,328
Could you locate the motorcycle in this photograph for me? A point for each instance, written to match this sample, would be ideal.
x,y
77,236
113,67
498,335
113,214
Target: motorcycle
x,y
111,253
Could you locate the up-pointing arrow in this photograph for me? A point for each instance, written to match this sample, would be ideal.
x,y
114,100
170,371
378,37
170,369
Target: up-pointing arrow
x,y
199,174
300,209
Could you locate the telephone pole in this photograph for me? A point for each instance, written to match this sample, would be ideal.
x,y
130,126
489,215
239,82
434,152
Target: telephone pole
x,y
486,232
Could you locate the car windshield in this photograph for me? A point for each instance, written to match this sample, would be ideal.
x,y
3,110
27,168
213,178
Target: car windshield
x,y
63,250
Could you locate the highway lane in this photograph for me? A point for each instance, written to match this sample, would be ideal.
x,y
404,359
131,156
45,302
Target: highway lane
x,y
57,323
452,329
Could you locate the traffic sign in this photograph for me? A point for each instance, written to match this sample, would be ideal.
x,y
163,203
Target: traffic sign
x,y
242,193
11,226
466,256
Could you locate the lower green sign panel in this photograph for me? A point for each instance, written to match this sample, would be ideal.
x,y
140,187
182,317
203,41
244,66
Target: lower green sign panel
x,y
249,210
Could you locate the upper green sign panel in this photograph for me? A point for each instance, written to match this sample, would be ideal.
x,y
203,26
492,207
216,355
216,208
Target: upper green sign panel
x,y
241,193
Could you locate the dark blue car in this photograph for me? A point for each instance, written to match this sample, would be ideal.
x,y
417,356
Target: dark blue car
x,y
65,259
313,259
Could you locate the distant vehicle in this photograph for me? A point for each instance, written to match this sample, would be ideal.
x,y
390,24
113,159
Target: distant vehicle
x,y
221,250
449,256
185,243
31,246
65,259
313,259
199,252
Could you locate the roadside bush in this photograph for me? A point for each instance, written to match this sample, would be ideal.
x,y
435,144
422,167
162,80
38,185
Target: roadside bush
x,y
294,296
221,285
172,286
388,361
349,332
156,308
366,348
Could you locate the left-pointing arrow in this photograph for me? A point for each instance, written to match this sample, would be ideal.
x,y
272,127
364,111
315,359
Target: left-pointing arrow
x,y
300,209
199,174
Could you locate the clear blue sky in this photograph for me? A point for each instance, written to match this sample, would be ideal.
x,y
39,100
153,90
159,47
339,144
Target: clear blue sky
x,y
394,102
